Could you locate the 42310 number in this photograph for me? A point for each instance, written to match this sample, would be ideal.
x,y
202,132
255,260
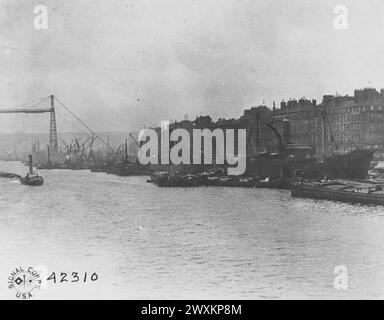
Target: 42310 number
x,y
72,277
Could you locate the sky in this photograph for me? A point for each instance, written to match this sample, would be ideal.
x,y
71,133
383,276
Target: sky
x,y
123,64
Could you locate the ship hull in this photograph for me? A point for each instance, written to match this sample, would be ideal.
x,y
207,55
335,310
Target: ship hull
x,y
353,165
171,180
320,193
35,181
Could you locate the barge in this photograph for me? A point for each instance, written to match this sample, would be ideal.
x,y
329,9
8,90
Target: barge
x,y
167,179
344,191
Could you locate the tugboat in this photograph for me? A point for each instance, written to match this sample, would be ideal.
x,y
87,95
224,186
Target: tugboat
x,y
32,178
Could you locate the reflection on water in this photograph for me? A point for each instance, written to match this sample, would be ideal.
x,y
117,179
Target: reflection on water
x,y
149,242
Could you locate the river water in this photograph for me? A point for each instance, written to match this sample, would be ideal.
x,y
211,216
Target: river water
x,y
146,242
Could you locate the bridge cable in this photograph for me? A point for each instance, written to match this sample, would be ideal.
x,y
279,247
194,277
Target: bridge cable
x,y
88,128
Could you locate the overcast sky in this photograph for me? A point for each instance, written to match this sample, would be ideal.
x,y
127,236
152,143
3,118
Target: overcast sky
x,y
121,64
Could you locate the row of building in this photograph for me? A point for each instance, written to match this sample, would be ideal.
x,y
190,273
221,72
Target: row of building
x,y
338,124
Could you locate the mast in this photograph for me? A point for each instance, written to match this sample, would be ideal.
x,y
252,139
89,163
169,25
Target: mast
x,y
169,159
108,152
126,150
250,135
30,164
257,132
49,155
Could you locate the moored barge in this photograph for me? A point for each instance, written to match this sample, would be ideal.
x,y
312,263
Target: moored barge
x,y
344,191
172,179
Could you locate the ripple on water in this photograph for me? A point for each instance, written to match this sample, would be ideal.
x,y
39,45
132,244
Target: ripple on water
x,y
149,242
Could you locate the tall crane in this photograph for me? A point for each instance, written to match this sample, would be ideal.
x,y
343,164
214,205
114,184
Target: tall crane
x,y
53,145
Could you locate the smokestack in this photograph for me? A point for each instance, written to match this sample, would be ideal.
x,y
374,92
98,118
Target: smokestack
x,y
30,164
286,132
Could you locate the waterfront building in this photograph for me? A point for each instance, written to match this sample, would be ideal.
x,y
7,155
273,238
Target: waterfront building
x,y
338,124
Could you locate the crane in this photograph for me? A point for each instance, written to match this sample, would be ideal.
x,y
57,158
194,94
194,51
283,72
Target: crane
x,y
53,145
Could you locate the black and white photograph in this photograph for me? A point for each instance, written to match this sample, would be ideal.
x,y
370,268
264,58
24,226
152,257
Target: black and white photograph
x,y
184,150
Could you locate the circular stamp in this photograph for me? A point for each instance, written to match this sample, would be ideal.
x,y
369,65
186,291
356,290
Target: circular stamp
x,y
24,281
